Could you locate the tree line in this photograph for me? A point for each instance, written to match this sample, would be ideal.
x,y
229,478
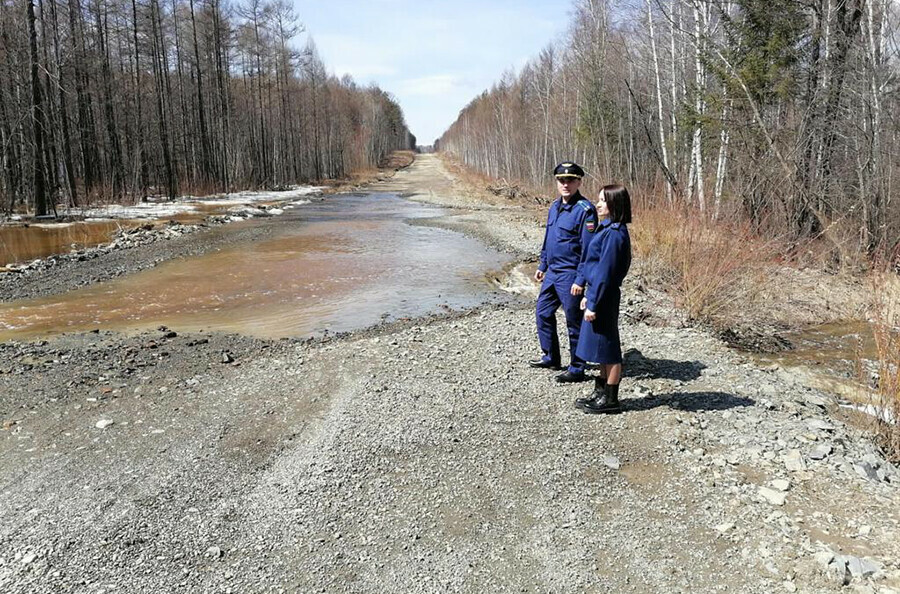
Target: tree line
x,y
781,112
123,99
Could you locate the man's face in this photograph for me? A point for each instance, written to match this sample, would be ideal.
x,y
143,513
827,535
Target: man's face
x,y
567,186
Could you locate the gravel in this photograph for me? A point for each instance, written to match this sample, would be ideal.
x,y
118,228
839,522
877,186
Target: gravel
x,y
428,457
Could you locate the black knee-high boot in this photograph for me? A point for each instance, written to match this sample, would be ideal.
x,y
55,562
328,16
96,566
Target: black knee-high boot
x,y
599,386
608,402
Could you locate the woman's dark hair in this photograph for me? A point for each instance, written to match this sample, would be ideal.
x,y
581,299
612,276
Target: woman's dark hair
x,y
618,202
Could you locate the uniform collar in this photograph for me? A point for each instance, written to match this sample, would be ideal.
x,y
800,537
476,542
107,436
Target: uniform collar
x,y
576,197
608,223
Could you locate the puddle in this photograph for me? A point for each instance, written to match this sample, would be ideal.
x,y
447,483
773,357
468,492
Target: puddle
x,y
837,347
839,358
20,243
341,264
24,243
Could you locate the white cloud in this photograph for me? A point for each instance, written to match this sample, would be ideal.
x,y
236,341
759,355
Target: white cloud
x,y
434,56
345,54
438,84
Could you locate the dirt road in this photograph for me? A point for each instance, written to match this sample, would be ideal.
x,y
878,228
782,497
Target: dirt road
x,y
427,457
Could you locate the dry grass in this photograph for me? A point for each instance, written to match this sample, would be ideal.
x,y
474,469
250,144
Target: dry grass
x,y
715,271
886,329
398,160
360,177
477,185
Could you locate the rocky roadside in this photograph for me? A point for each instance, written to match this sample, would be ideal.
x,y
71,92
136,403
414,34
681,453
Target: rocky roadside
x,y
426,457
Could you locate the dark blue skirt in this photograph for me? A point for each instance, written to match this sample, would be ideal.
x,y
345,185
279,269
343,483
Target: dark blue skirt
x,y
599,340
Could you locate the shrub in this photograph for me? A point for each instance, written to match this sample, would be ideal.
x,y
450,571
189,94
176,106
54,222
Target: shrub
x,y
713,269
885,321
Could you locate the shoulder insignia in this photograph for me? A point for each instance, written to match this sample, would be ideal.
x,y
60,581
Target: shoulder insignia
x,y
591,225
586,205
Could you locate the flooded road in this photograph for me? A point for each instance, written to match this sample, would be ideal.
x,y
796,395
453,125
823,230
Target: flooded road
x,y
340,264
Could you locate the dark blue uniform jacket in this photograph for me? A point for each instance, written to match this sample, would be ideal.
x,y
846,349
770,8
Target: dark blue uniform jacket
x,y
606,263
570,228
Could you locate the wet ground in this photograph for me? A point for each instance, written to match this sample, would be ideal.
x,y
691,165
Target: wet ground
x,y
345,263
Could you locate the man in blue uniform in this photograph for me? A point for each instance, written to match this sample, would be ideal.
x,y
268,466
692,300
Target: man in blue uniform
x,y
570,227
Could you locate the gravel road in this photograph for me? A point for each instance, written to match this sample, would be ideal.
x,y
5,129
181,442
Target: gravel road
x,y
427,457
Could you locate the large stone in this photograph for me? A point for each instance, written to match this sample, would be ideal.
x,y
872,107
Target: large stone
x,y
824,558
819,425
815,400
641,391
794,462
820,452
611,462
725,527
862,568
837,570
866,471
104,423
772,496
781,485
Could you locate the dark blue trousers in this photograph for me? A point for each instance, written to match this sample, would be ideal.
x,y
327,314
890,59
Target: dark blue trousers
x,y
555,294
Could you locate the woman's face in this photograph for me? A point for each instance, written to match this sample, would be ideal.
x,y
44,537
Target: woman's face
x,y
602,209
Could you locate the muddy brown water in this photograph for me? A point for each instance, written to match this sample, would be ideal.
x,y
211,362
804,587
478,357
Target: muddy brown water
x,y
23,243
840,358
341,264
837,346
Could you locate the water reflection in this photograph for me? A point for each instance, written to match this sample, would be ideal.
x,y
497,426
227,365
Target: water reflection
x,y
838,347
345,264
25,243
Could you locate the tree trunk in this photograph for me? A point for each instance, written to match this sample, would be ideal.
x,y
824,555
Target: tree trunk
x,y
39,172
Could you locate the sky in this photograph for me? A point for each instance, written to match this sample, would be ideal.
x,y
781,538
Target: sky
x,y
433,56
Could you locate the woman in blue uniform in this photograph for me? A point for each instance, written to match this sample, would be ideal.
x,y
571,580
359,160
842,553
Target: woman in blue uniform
x,y
605,265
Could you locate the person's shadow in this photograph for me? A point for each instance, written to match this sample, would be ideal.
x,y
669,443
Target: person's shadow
x,y
687,401
637,366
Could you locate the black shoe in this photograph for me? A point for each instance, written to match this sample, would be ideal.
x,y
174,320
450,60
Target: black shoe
x,y
581,402
541,364
567,377
599,385
607,403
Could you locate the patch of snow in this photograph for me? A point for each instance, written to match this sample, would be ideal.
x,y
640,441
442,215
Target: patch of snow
x,y
145,210
157,208
52,225
266,196
873,411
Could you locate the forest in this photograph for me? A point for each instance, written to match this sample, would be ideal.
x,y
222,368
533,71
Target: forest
x,y
779,113
116,100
